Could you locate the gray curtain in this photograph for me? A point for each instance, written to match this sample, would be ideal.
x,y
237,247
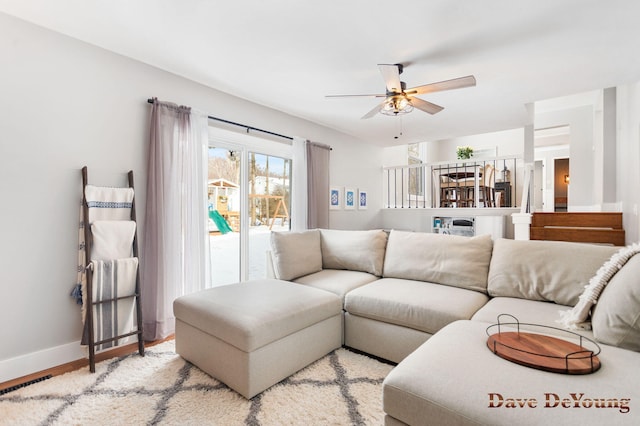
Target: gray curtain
x,y
175,240
318,185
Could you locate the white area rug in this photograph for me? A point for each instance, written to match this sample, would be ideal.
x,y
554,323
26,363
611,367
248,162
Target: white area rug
x,y
343,388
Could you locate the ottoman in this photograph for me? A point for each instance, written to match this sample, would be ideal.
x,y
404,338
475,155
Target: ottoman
x,y
252,335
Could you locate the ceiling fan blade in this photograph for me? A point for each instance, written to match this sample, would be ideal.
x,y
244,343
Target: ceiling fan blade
x,y
391,75
374,111
425,106
456,83
377,95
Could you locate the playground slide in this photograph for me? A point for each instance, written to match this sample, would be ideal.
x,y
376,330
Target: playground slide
x,y
221,223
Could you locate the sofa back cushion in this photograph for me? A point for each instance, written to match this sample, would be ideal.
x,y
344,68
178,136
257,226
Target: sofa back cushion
x,y
616,315
296,254
443,259
353,250
551,271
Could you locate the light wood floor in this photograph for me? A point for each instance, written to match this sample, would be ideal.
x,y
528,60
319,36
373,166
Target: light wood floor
x,y
80,363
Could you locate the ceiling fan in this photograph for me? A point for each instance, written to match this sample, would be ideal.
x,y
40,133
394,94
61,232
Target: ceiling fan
x,y
400,100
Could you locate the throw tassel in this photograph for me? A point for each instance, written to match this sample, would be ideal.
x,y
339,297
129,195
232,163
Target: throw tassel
x,y
76,293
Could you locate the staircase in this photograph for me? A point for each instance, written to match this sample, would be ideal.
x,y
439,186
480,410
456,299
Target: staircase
x,y
587,227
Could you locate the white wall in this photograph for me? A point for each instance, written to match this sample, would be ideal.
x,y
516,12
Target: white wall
x,y
66,104
582,195
360,168
609,149
507,143
628,158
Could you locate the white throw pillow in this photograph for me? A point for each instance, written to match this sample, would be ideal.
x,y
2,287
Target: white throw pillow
x,y
296,254
353,250
616,316
577,318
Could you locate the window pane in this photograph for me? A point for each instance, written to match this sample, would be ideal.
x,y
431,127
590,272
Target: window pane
x,y
269,204
224,215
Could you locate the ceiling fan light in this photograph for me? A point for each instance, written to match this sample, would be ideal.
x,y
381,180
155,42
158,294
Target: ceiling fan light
x,y
389,106
396,106
407,107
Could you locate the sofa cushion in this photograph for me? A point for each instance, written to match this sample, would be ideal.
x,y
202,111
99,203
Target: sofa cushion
x,y
444,259
338,282
552,271
616,315
296,253
415,304
353,250
529,312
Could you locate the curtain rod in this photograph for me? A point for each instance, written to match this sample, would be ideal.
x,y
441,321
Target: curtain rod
x,y
150,100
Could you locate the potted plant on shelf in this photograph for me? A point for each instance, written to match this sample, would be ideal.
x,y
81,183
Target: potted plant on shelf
x,y
464,152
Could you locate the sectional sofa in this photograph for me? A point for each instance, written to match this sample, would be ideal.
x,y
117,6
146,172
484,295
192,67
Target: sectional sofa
x,y
426,301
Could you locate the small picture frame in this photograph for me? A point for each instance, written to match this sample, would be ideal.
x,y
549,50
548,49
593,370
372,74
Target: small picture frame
x,y
350,199
362,199
335,195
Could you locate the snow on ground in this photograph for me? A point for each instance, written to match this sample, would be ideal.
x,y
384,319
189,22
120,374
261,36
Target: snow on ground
x,y
225,254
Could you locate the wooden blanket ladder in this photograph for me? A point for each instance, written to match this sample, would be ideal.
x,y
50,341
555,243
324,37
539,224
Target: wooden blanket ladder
x,y
89,334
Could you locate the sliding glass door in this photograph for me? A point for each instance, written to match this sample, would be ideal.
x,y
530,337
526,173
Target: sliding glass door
x,y
269,206
249,196
224,189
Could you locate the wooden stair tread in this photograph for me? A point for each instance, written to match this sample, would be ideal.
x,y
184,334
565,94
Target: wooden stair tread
x,y
583,227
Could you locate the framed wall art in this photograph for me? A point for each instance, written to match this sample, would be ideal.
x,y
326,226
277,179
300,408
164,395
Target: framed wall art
x,y
350,199
335,195
362,199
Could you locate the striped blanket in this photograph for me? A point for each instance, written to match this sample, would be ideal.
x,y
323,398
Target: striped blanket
x,y
112,279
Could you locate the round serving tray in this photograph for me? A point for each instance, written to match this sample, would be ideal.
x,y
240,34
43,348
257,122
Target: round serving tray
x,y
541,351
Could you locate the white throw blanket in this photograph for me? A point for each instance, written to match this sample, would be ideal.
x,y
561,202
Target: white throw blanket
x,y
106,203
112,239
577,318
112,279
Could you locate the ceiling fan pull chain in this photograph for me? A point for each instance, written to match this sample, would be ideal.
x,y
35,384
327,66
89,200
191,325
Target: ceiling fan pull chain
x,y
399,127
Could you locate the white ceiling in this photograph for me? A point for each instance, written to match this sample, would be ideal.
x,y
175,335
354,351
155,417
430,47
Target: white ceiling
x,y
289,54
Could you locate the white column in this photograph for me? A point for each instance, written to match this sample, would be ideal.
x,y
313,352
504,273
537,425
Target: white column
x,y
521,225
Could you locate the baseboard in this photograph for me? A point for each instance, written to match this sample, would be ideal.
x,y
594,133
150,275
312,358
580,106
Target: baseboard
x,y
592,208
612,207
605,207
37,374
23,365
